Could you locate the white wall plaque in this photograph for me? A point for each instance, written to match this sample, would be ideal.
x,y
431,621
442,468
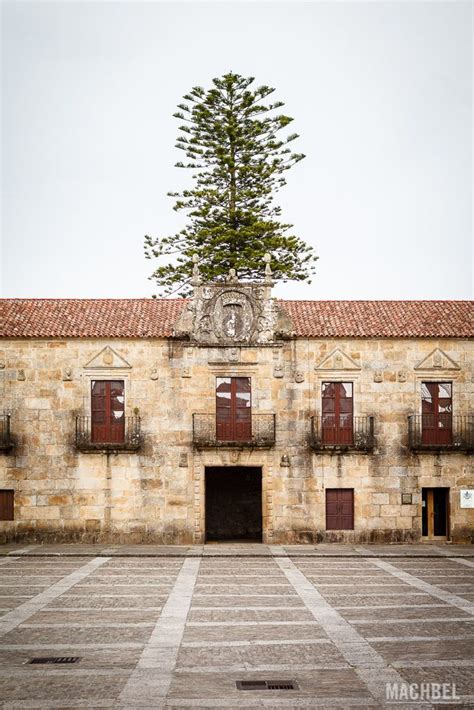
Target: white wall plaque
x,y
467,498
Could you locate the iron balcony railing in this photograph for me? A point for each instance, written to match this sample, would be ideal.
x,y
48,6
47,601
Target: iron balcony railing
x,y
441,432
6,442
332,432
258,430
113,436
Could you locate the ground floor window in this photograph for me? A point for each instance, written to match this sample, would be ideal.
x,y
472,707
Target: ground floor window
x,y
339,509
6,505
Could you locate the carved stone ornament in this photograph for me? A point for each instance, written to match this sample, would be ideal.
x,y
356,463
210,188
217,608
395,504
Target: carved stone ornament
x,y
437,360
107,356
233,316
401,376
285,461
234,355
278,371
299,376
21,375
2,364
183,460
154,374
234,456
233,313
184,324
67,374
378,376
337,360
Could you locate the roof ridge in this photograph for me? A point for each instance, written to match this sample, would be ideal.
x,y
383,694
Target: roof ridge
x,y
147,299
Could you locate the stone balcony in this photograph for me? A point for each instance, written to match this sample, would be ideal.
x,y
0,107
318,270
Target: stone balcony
x,y
354,434
118,438
258,432
441,433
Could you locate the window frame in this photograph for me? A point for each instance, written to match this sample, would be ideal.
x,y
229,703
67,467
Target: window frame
x,y
337,435
238,429
116,432
438,433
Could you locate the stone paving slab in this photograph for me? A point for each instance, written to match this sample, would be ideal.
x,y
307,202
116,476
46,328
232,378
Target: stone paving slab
x,y
341,626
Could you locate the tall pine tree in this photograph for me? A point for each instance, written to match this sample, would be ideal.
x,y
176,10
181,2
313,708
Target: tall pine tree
x,y
231,140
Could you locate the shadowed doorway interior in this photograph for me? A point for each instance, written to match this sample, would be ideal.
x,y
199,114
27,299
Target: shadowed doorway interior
x,y
234,503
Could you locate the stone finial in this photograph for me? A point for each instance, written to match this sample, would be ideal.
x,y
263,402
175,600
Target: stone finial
x,y
232,277
196,278
268,272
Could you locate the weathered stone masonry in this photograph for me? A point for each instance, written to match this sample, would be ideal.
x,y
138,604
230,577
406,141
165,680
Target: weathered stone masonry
x,y
157,493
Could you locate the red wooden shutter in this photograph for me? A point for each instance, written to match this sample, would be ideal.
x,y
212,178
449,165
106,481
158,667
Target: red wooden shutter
x,y
6,505
337,413
437,413
233,409
340,509
108,411
332,511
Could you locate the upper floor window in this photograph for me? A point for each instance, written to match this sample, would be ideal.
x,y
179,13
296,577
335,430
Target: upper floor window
x,y
436,412
233,409
337,413
107,411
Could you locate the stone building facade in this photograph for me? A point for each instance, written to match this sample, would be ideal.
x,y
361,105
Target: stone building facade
x,y
236,416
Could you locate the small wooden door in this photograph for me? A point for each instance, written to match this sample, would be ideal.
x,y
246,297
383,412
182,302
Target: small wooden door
x,y
337,413
6,505
108,412
233,409
340,509
436,413
435,511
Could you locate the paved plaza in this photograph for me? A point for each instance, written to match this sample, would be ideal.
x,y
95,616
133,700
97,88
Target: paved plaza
x,y
177,627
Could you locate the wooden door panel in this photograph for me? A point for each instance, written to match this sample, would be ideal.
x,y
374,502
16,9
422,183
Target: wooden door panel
x,y
337,413
107,411
233,409
339,509
435,512
437,416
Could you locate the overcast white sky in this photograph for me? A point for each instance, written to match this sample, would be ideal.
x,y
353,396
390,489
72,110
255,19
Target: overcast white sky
x,y
381,93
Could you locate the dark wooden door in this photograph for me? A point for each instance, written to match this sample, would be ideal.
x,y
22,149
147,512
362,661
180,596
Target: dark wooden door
x,y
337,413
6,505
435,508
233,409
108,412
340,509
436,413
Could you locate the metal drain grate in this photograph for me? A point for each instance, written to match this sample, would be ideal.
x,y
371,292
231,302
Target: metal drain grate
x,y
54,659
266,685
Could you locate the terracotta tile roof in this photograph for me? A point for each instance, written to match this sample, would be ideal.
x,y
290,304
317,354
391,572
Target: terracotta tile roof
x,y
154,318
88,318
384,319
